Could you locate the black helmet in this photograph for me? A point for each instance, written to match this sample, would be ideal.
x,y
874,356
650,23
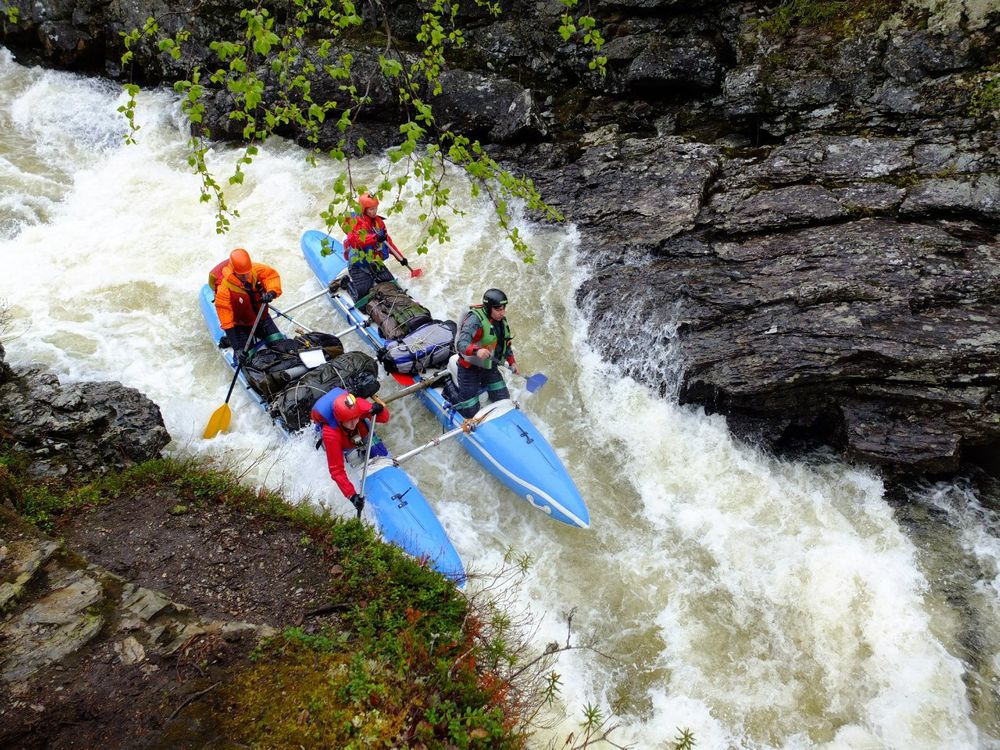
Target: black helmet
x,y
494,298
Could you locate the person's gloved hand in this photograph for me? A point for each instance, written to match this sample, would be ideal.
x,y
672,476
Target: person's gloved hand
x,y
380,235
358,501
377,409
404,262
268,297
242,356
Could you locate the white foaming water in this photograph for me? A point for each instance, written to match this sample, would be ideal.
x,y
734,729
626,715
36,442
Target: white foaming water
x,y
759,603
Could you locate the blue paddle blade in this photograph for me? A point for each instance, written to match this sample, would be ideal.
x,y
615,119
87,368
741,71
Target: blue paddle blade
x,y
536,381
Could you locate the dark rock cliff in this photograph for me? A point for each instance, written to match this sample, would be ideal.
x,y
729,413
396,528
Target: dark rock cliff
x,y
798,202
78,427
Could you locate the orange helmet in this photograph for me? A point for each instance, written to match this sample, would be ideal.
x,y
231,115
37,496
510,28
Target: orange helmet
x,y
368,201
346,407
240,259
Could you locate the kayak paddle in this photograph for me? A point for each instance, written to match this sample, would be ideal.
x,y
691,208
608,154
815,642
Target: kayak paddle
x,y
532,382
412,386
414,272
221,417
368,455
535,382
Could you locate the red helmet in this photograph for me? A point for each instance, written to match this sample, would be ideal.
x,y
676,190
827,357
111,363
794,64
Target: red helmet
x,y
346,407
240,259
368,201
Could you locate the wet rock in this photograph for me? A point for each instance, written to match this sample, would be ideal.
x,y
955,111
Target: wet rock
x,y
5,372
81,426
65,611
636,193
57,625
772,209
912,55
821,157
130,651
487,105
964,196
955,156
875,336
869,198
691,62
20,562
145,604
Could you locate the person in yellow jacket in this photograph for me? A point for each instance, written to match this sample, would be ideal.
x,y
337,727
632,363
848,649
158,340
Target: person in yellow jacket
x,y
241,288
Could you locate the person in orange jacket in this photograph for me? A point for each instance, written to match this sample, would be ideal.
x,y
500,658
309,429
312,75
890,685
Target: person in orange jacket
x,y
241,288
367,247
340,415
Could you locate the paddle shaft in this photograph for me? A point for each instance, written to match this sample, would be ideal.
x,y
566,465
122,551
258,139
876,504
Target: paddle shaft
x,y
368,453
426,383
246,348
306,329
291,320
414,272
436,441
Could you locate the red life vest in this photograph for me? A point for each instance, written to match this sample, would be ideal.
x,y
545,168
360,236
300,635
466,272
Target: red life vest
x,y
216,274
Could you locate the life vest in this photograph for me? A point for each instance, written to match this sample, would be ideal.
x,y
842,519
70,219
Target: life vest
x,y
238,305
217,274
322,411
367,248
322,414
487,339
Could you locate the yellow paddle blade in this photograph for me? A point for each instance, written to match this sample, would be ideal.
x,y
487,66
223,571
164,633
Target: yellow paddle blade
x,y
219,421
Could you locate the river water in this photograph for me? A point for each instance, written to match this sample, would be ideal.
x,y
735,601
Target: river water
x,y
759,603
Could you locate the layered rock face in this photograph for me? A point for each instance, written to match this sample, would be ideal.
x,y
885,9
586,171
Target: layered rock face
x,y
78,427
791,213
810,297
830,276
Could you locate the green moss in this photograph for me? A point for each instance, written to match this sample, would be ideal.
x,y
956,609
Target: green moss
x,y
399,664
839,17
293,697
42,502
985,101
309,693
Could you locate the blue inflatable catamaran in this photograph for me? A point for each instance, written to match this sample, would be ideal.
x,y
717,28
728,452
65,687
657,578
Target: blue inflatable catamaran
x,y
401,512
504,441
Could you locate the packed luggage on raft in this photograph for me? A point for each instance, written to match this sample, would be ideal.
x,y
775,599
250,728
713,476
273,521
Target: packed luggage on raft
x,y
291,374
414,341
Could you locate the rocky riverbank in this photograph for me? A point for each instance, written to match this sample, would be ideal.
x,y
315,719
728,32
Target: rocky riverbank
x,y
150,603
799,202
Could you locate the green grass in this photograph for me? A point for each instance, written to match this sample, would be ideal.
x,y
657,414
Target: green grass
x,y
400,664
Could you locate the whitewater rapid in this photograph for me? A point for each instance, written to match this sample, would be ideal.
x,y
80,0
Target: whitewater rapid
x,y
759,603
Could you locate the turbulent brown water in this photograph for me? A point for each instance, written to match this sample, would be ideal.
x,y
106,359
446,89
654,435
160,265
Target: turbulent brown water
x,y
759,603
